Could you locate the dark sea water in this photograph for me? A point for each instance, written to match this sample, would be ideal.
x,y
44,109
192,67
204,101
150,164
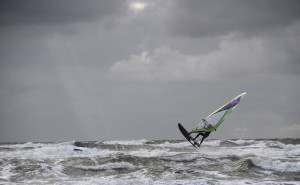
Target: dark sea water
x,y
151,162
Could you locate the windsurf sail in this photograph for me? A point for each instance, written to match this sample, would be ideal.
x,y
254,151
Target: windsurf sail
x,y
213,121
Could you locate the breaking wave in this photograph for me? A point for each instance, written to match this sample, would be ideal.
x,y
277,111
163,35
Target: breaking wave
x,y
151,162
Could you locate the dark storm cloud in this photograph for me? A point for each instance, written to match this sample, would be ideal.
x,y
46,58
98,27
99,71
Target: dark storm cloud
x,y
215,17
94,70
56,11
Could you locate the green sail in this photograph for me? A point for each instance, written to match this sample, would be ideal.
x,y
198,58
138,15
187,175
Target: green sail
x,y
213,121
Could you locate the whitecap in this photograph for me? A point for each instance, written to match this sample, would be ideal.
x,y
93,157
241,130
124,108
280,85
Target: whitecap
x,y
243,142
277,165
60,150
126,142
6,172
212,143
181,144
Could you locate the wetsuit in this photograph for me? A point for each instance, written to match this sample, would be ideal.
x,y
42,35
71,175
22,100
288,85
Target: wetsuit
x,y
204,135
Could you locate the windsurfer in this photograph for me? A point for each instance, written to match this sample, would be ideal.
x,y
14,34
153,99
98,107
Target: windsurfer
x,y
211,122
203,134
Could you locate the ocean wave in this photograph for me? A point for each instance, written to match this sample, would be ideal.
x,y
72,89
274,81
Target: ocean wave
x,y
168,144
212,143
242,165
108,166
289,141
243,142
61,150
85,144
6,172
228,143
150,162
183,157
277,165
129,142
21,146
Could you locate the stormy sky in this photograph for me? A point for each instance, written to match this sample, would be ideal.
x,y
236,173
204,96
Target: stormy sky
x,y
122,70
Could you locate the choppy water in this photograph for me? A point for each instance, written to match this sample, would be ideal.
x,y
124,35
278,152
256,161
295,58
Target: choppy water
x,y
152,162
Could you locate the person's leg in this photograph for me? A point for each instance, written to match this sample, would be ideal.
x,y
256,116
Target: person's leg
x,y
205,135
201,141
200,133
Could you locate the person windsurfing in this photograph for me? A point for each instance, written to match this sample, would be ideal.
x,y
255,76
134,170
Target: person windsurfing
x,y
211,122
203,134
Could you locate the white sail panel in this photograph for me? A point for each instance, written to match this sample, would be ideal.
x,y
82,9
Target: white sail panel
x,y
211,120
215,118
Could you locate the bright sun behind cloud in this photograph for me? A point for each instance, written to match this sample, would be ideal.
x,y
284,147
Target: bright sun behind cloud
x,y
138,6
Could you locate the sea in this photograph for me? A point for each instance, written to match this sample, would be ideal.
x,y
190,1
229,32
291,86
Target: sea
x,y
147,162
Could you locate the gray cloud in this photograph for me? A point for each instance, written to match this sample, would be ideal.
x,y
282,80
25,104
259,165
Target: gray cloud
x,y
57,12
211,18
235,57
